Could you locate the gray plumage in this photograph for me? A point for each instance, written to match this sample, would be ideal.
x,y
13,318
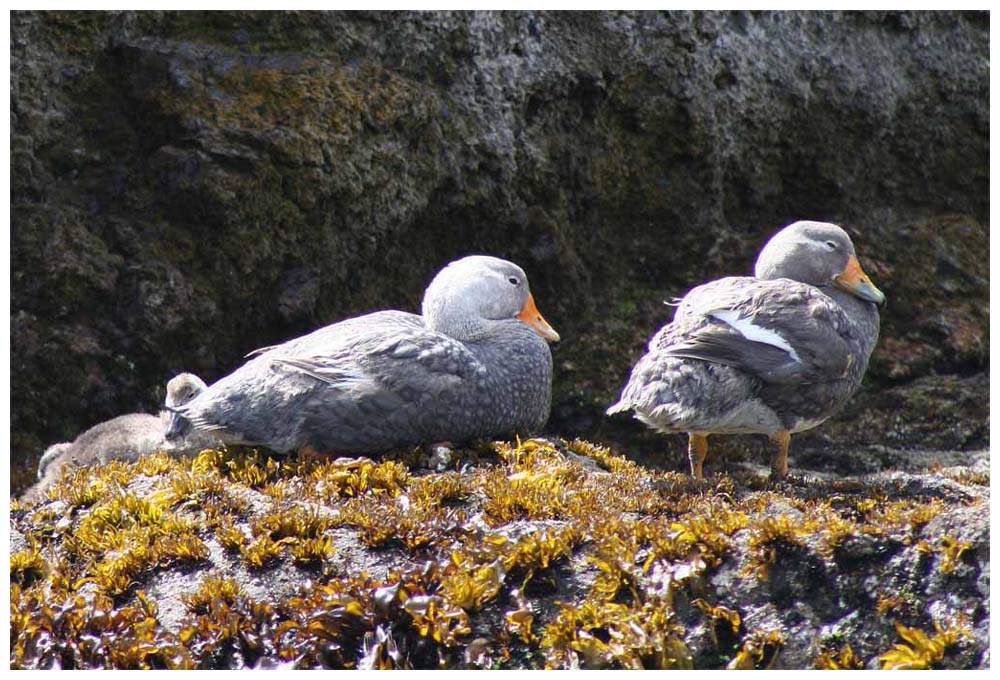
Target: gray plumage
x,y
465,368
181,389
122,438
126,438
777,353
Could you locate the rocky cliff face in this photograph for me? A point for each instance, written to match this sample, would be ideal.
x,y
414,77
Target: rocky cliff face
x,y
190,186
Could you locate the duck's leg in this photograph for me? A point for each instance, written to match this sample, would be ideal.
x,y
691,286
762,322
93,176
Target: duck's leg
x,y
779,462
697,450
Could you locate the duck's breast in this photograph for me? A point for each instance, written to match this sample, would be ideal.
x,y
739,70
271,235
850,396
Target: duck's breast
x,y
515,391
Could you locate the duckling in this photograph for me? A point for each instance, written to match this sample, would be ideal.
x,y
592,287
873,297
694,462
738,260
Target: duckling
x,y
123,438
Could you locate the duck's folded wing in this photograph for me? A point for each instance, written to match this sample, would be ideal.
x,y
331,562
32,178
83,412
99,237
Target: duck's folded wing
x,y
413,361
342,334
424,361
779,331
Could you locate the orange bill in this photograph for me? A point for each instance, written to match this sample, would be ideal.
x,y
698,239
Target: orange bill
x,y
530,315
854,281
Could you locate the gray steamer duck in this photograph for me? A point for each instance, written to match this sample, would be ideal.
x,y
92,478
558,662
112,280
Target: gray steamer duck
x,y
475,363
776,354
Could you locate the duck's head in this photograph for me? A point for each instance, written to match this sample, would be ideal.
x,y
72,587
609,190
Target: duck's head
x,y
817,253
468,297
182,388
52,454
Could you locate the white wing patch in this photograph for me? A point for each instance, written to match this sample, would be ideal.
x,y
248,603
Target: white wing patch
x,y
748,330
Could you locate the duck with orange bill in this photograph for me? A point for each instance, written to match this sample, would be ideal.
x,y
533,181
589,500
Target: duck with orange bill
x,y
475,363
775,353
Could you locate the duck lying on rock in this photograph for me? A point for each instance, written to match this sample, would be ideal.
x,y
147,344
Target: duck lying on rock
x,y
777,353
123,438
474,363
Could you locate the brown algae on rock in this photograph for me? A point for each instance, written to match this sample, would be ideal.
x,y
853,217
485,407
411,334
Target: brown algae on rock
x,y
542,553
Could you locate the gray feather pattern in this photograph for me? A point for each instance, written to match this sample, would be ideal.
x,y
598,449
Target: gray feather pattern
x,y
379,381
701,375
332,375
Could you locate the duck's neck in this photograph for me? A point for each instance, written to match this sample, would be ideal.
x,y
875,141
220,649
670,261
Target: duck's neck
x,y
863,312
457,321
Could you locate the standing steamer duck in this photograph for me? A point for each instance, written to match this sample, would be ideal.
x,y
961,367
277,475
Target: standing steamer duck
x,y
776,354
474,364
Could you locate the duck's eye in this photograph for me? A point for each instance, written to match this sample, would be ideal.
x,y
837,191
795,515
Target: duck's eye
x,y
513,280
832,245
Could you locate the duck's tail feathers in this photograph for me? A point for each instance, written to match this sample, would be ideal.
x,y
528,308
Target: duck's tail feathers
x,y
50,455
619,407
